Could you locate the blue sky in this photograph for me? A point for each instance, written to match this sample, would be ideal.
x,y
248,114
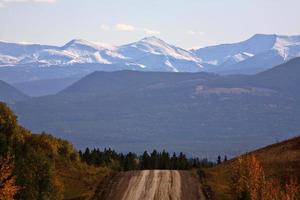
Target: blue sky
x,y
186,23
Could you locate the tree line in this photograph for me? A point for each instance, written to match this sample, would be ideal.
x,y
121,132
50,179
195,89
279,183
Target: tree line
x,y
131,161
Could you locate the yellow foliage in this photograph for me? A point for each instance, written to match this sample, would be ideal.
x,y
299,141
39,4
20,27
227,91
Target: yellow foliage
x,y
8,187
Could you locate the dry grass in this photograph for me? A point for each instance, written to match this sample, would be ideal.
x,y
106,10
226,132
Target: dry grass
x,y
217,179
79,181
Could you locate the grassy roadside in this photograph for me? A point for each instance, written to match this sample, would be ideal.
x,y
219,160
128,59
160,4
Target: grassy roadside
x,y
279,161
80,180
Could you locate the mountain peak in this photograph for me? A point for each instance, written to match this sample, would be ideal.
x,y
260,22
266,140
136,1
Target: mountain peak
x,y
86,43
263,37
152,39
260,35
78,41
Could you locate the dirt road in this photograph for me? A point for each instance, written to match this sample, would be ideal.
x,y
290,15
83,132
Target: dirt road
x,y
150,185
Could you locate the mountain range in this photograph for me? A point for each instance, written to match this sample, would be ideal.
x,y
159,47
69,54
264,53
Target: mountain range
x,y
21,62
189,112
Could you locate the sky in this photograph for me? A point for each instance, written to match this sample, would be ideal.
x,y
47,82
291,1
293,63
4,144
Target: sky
x,y
185,23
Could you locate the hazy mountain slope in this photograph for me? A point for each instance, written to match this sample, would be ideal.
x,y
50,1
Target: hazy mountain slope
x,y
44,87
190,112
10,94
284,77
25,73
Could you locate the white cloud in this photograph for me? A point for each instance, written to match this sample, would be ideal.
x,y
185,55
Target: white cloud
x,y
151,32
131,28
124,27
191,32
104,27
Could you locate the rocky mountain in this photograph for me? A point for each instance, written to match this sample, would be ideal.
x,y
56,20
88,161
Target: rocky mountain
x,y
189,112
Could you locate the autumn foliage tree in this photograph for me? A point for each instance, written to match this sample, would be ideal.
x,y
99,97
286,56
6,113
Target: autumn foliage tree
x,y
249,182
8,187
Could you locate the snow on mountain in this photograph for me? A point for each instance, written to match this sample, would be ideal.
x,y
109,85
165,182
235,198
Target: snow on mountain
x,y
151,53
88,52
53,57
75,51
287,46
21,49
155,54
154,45
5,59
258,53
84,45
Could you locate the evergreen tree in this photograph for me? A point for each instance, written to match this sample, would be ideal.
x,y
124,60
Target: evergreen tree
x,y
165,162
130,162
174,161
154,160
219,161
225,158
145,161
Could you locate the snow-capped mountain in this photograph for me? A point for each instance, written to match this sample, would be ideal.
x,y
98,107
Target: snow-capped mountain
x,y
155,54
150,53
258,53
